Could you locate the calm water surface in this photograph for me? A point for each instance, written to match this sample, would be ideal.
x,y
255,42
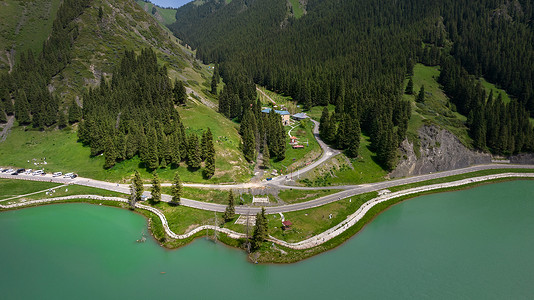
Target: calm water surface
x,y
476,243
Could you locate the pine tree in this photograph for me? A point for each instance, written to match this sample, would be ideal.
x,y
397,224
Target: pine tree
x,y
421,95
229,212
260,230
3,116
353,138
176,189
209,170
62,120
156,188
179,92
214,84
193,155
266,156
249,145
22,108
204,146
110,153
137,183
75,112
409,87
324,124
152,159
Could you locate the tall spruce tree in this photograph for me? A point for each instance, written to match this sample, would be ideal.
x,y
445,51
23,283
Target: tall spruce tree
x,y
260,233
229,212
176,189
137,183
193,153
421,95
156,188
409,87
110,153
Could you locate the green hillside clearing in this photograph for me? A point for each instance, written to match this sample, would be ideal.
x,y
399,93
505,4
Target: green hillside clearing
x,y
24,25
436,109
165,16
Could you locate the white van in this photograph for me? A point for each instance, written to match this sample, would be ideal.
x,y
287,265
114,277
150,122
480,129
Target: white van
x,y
57,174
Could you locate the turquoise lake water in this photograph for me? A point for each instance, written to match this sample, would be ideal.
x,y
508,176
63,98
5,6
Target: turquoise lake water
x,y
471,244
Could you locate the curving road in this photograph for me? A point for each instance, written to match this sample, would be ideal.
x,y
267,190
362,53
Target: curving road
x,y
350,190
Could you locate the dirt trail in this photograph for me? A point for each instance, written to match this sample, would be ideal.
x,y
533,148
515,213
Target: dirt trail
x,y
7,128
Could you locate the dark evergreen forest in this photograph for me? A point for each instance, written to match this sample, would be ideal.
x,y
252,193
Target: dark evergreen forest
x,y
356,55
135,115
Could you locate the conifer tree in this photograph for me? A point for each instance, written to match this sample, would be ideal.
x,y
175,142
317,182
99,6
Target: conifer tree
x,y
421,95
260,230
353,138
179,92
266,156
156,188
249,145
143,147
3,116
229,212
324,123
193,153
137,183
409,87
110,153
62,120
209,170
214,84
176,189
204,146
75,112
152,159
22,108
8,104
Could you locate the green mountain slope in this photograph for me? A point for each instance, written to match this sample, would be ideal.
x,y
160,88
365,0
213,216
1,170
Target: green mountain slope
x,y
24,25
99,46
165,16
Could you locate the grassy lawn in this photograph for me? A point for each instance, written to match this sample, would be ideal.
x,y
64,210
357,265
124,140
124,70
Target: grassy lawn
x,y
296,196
13,187
436,108
297,9
183,219
298,158
307,223
496,91
341,170
316,111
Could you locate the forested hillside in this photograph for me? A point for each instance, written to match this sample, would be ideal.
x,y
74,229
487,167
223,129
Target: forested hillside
x,y
76,81
356,55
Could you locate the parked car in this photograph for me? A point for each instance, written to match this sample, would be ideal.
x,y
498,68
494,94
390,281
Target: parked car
x,y
28,171
68,175
19,171
37,172
57,174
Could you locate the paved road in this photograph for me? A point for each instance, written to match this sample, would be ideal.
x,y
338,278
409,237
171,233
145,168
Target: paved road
x,y
350,190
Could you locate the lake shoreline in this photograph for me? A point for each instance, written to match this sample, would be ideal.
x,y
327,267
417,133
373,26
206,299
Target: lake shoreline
x,y
284,254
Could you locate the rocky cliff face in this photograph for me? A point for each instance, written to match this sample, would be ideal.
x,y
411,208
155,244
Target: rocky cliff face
x,y
440,150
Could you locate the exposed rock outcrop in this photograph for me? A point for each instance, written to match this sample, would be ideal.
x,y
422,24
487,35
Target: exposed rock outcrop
x,y
440,150
522,159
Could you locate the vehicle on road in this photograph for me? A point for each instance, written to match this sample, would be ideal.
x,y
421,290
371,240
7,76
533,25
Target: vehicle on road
x,y
28,171
37,172
57,174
